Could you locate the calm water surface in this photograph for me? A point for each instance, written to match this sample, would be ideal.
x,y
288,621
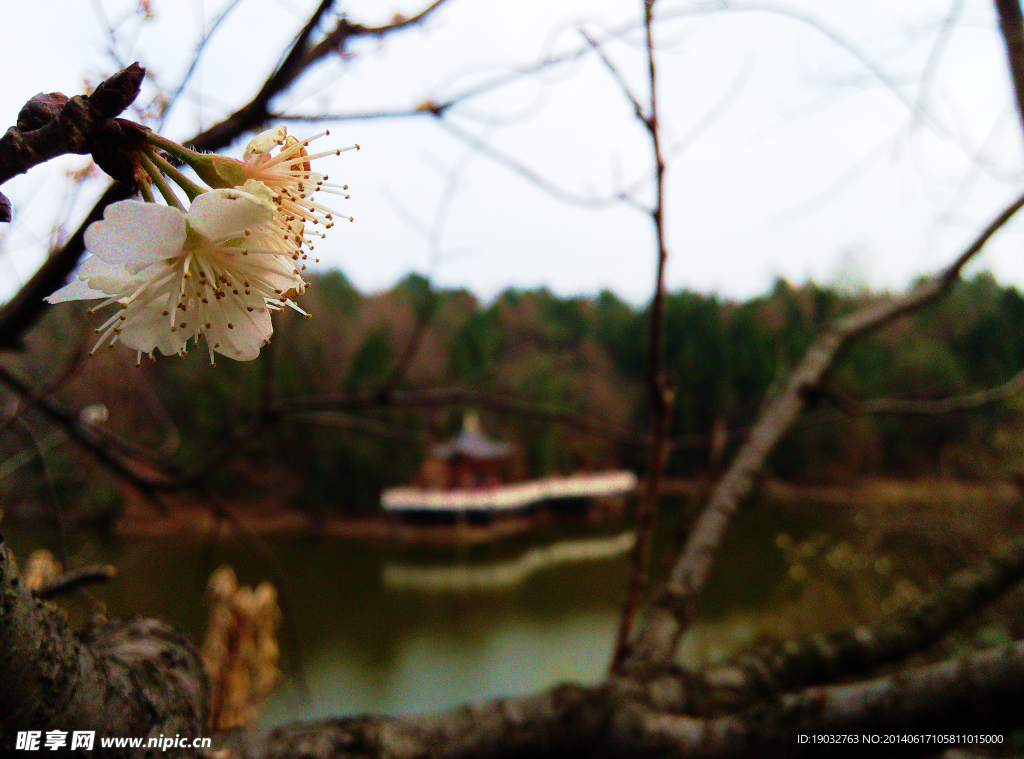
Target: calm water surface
x,y
399,629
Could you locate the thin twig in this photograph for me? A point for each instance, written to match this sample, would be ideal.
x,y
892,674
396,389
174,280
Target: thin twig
x,y
76,578
300,59
660,385
638,110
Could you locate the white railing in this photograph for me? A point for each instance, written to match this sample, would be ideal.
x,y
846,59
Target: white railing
x,y
509,497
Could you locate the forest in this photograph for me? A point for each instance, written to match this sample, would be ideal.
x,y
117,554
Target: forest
x,y
583,356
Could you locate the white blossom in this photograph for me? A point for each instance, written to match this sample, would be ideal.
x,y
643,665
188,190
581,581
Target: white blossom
x,y
289,176
214,273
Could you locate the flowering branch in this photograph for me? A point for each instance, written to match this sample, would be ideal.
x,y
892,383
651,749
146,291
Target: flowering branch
x,y
21,311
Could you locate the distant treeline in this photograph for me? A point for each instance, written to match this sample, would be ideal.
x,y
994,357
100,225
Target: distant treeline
x,y
585,355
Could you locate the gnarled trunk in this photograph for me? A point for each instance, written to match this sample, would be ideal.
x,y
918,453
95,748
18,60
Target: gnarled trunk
x,y
121,679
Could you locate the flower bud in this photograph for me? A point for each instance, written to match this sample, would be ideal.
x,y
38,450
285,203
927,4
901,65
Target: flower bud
x,y
216,170
117,92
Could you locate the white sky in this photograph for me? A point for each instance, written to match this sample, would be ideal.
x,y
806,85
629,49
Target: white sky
x,y
814,167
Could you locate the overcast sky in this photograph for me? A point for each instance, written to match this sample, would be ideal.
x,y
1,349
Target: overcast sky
x,y
848,141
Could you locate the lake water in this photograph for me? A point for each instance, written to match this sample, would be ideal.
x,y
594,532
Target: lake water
x,y
399,629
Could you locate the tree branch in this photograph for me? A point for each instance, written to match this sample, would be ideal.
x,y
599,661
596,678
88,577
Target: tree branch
x,y
907,407
977,693
638,110
567,720
50,125
1011,26
788,665
76,578
661,389
673,609
300,59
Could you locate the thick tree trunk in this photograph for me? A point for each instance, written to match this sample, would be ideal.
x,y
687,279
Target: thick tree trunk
x,y
134,679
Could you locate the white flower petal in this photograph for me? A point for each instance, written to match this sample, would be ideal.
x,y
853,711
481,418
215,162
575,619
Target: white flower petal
x,y
246,335
76,290
213,274
259,191
275,274
220,215
135,235
262,143
146,329
112,279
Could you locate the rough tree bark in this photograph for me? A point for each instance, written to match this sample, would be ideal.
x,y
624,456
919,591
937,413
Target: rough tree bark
x,y
137,678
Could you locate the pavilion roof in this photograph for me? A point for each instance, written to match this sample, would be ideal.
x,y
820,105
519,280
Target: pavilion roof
x,y
472,443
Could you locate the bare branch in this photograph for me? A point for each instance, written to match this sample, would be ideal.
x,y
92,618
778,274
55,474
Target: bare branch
x,y
673,610
399,113
300,59
76,578
120,456
788,665
935,54
906,407
975,692
200,48
255,112
288,408
360,425
638,110
1011,25
426,309
661,387
50,125
532,176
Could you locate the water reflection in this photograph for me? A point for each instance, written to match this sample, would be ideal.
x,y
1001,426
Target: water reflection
x,y
505,574
399,629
